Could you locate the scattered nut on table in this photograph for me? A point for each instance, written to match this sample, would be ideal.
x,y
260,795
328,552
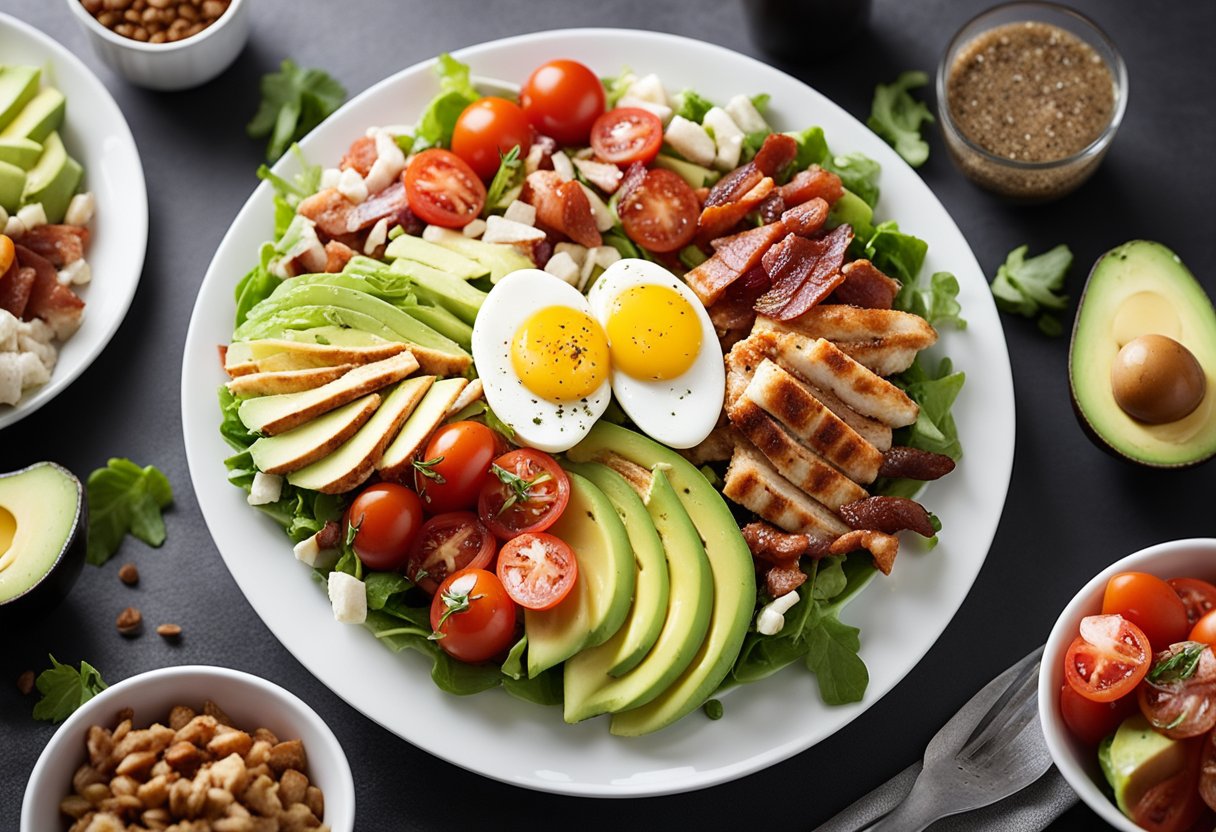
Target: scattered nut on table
x,y
169,632
130,621
156,21
25,682
128,574
196,773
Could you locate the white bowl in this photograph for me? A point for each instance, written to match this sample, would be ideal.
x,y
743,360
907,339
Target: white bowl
x,y
252,703
170,66
1192,558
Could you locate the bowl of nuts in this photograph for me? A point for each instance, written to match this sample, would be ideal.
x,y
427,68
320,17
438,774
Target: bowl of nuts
x,y
208,746
165,44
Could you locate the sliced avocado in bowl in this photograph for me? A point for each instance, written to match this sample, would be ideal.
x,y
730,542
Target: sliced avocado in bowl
x,y
23,153
43,538
1135,758
1142,362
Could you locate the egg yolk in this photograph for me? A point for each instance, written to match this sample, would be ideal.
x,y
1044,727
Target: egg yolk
x,y
560,354
653,333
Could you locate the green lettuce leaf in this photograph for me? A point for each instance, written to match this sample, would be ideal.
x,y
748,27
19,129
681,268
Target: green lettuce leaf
x,y
125,498
858,172
812,147
937,302
692,105
1031,287
895,253
407,628
616,87
64,689
294,101
456,92
897,116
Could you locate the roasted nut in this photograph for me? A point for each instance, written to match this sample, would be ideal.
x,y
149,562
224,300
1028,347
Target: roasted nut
x,y
292,787
265,735
154,793
122,805
229,773
123,784
262,797
297,818
213,710
314,799
130,621
75,806
184,757
121,730
218,801
155,738
128,574
25,682
95,793
198,731
163,769
169,632
85,776
180,716
259,752
230,742
125,715
137,763
156,819
287,755
100,744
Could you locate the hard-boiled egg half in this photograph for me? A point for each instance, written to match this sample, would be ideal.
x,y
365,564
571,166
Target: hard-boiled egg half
x,y
667,371
542,358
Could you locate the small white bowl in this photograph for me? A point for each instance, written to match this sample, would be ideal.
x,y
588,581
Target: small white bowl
x,y
1192,558
252,703
170,66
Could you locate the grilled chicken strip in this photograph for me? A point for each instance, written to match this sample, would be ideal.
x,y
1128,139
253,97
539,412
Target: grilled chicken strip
x,y
753,483
884,340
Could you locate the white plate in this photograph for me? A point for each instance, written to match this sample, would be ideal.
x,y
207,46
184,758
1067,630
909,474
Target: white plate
x,y
97,136
900,616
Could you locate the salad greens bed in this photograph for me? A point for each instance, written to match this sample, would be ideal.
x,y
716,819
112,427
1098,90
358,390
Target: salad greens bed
x,y
813,632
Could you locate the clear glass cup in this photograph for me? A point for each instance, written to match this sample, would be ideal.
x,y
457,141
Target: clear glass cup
x,y
1024,181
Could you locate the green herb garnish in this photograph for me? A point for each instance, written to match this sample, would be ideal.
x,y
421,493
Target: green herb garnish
x,y
294,101
1178,667
64,689
426,467
125,498
520,487
897,116
504,179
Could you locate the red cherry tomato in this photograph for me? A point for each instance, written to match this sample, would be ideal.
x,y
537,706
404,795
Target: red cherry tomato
x,y
442,189
454,465
488,127
661,212
388,517
1091,722
626,135
526,491
473,616
562,100
1149,603
1179,698
1199,597
1175,803
1204,630
538,570
1108,659
448,543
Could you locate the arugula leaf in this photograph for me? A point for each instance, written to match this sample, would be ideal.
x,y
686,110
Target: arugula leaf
x,y
692,106
1179,666
294,101
257,284
832,657
509,169
382,586
934,391
513,665
858,172
937,303
125,498
545,689
401,628
895,253
65,689
830,579
897,116
812,147
615,88
456,92
1027,286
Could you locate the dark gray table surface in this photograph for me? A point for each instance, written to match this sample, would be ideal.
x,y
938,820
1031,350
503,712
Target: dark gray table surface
x,y
1071,509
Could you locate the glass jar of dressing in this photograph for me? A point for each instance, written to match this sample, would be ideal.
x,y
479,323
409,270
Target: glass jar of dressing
x,y
1029,97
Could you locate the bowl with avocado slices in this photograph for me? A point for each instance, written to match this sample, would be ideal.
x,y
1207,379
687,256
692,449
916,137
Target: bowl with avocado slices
x,y
1134,758
43,536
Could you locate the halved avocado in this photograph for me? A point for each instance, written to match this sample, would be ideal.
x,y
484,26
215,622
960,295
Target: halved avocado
x,y
1135,758
43,538
1138,289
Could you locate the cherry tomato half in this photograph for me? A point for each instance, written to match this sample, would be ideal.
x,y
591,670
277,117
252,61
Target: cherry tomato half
x,y
473,616
661,212
1205,629
1175,803
454,465
448,543
388,517
1179,699
1149,603
1199,597
488,127
537,570
1091,722
526,491
1108,659
442,189
626,135
562,100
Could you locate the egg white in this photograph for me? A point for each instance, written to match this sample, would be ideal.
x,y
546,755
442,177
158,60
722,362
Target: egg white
x,y
538,423
679,412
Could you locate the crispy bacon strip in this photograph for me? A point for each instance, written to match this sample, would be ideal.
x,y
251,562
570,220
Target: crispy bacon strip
x,y
888,514
769,544
807,218
772,208
803,272
562,206
361,156
716,220
782,580
733,257
634,174
60,244
865,286
15,287
388,203
810,183
329,210
49,300
776,154
914,464
329,536
337,255
732,186
883,547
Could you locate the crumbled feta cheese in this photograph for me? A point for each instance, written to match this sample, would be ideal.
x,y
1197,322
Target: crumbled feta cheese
x,y
43,350
395,130
348,597
599,211
588,267
76,273
351,186
661,111
266,489
475,228
80,209
330,178
10,378
744,113
532,161
377,236
520,211
562,166
771,619
648,88
390,161
562,265
33,370
605,256
502,230
727,137
32,216
690,140
309,552
434,233
607,177
9,326
14,227
576,252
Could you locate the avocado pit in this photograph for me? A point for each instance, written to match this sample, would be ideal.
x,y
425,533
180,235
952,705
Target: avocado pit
x,y
1157,380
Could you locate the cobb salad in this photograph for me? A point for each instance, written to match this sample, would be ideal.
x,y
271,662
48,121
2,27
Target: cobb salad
x,y
607,396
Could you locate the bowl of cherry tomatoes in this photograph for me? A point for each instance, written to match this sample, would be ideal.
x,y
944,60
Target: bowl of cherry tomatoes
x,y
1127,689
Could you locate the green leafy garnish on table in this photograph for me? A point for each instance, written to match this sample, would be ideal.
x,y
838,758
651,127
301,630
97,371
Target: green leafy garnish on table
x,y
1029,286
64,689
294,101
124,498
897,117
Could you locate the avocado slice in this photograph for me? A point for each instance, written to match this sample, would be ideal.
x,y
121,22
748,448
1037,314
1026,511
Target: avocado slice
x,y
730,561
12,185
53,180
42,539
695,175
645,621
38,118
313,440
442,289
597,605
1142,288
1135,758
18,84
590,688
23,153
410,248
499,258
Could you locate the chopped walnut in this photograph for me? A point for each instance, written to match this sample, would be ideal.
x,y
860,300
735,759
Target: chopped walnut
x,y
292,787
180,717
287,755
198,731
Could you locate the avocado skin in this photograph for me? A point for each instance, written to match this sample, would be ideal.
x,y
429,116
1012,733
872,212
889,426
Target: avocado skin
x,y
45,595
1080,337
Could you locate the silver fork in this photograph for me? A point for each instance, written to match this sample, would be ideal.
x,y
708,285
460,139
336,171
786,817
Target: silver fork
x,y
992,748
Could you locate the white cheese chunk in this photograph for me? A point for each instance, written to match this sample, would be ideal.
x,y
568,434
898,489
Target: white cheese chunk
x,y
536,155
33,371
744,112
32,216
351,185
8,331
330,178
605,256
562,265
266,489
728,138
348,597
308,551
475,228
80,209
520,211
648,88
377,236
576,252
503,230
10,378
76,273
660,111
771,619
690,140
14,227
599,211
390,161
562,166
